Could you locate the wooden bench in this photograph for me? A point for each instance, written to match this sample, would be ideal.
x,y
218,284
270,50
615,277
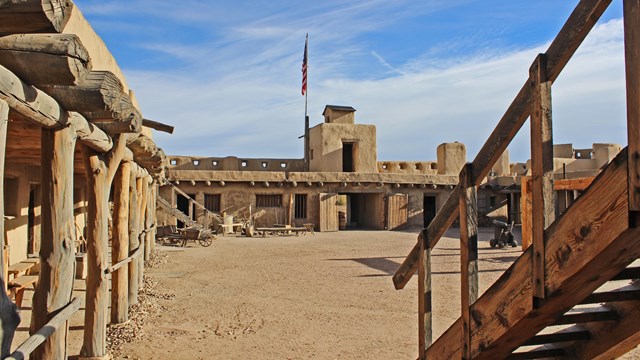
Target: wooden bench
x,y
23,267
17,286
281,230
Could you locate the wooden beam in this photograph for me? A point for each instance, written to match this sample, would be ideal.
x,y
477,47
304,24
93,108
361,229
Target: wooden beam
x,y
45,59
468,254
99,97
120,245
57,254
89,134
631,11
525,210
572,184
157,126
9,316
543,197
27,16
425,322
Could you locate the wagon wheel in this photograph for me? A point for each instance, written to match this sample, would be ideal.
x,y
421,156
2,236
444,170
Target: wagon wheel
x,y
206,240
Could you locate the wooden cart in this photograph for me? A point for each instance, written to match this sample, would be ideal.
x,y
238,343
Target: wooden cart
x,y
171,235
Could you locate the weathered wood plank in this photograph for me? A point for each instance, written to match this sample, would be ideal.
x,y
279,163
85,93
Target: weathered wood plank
x,y
57,253
468,254
631,10
572,184
611,339
29,16
9,316
120,245
45,59
542,194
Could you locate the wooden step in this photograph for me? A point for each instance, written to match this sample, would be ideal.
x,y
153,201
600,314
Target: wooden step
x,y
629,273
586,317
611,296
558,337
537,354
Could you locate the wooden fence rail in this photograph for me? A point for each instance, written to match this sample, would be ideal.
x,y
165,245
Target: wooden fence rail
x,y
28,346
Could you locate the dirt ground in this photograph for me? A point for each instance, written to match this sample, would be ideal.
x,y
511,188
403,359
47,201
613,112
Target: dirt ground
x,y
323,296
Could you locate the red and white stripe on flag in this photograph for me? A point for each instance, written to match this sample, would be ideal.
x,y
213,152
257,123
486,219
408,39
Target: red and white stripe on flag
x,y
304,67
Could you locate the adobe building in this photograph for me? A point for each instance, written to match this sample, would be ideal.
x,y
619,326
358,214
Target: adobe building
x,y
345,180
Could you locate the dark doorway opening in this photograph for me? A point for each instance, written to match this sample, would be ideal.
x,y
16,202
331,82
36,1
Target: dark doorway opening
x,y
347,157
429,212
182,203
364,211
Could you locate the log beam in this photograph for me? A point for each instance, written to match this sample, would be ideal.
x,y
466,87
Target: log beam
x,y
120,245
543,196
27,16
57,250
9,316
45,59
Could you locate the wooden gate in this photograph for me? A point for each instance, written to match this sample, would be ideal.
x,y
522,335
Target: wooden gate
x,y
328,212
396,210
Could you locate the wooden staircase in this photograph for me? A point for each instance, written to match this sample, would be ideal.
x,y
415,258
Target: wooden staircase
x,y
575,292
186,219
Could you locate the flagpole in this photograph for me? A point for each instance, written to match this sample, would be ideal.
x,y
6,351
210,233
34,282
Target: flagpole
x,y
306,115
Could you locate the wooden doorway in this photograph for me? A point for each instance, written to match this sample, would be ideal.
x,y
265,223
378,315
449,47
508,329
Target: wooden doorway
x,y
328,212
396,211
429,209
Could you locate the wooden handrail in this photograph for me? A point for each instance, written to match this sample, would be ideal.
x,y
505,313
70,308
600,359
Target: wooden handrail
x,y
29,345
574,31
128,259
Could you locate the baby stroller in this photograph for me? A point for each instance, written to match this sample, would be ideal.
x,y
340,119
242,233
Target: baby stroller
x,y
506,235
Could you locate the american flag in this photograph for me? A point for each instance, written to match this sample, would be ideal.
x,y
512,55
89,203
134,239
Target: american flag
x,y
304,67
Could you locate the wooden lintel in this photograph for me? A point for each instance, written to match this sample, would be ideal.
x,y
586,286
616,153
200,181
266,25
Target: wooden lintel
x,y
34,16
45,59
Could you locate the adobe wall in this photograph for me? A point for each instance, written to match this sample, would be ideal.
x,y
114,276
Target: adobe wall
x,y
233,163
451,158
408,167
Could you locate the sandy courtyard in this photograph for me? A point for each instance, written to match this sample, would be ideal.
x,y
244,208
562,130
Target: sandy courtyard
x,y
328,296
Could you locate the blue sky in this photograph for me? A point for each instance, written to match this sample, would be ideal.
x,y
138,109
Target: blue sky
x,y
227,74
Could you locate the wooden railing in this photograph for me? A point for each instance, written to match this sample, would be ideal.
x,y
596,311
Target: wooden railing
x,y
534,101
139,251
28,346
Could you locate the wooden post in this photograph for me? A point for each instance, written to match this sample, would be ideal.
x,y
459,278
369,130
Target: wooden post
x,y
134,242
9,316
631,10
57,250
468,254
543,196
290,209
100,170
152,200
143,186
149,220
120,245
424,297
525,210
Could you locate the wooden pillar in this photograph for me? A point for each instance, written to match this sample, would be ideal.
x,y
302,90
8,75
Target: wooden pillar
x,y
100,170
134,241
631,9
120,245
525,211
149,220
142,186
424,296
152,200
57,250
468,254
290,209
9,316
542,201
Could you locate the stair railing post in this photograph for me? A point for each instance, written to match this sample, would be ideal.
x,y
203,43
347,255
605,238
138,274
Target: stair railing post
x,y
631,9
424,296
468,254
543,196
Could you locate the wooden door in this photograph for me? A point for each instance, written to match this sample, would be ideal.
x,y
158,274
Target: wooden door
x,y
396,211
328,212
